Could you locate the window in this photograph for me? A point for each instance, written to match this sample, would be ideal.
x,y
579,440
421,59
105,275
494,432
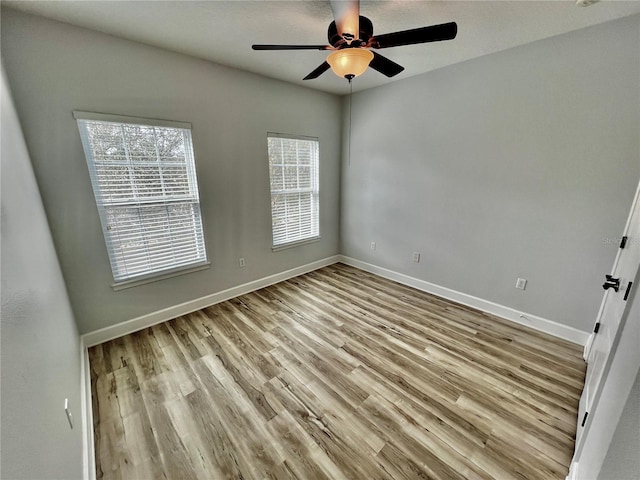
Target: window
x,y
144,180
293,172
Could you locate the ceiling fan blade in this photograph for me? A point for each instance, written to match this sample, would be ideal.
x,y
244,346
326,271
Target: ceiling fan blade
x,y
347,16
291,47
385,66
434,33
318,71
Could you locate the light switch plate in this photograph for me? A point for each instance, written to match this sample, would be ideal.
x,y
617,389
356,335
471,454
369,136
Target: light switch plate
x,y
67,410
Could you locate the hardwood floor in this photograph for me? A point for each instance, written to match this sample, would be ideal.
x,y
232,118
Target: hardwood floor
x,y
336,374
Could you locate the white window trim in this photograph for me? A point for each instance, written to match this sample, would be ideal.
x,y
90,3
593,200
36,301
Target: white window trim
x,y
143,280
303,241
296,243
163,274
108,117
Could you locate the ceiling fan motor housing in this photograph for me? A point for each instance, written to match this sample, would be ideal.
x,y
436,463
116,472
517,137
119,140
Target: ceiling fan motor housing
x,y
339,41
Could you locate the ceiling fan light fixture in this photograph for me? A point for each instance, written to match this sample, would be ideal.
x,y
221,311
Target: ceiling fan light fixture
x,y
350,62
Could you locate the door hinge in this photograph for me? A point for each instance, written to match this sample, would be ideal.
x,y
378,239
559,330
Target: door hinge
x,y
584,419
628,291
623,242
596,328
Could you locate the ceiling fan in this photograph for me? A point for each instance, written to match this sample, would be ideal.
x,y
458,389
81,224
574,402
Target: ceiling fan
x,y
351,40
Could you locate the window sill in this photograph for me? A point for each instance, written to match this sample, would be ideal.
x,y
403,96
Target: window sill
x,y
295,244
163,276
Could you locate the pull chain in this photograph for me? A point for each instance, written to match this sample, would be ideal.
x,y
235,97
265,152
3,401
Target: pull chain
x,y
350,77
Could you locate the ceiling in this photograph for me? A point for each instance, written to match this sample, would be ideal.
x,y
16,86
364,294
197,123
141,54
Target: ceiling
x,y
223,31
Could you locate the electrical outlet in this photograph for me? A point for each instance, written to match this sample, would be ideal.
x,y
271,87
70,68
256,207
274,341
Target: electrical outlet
x,y
241,262
521,283
416,257
373,246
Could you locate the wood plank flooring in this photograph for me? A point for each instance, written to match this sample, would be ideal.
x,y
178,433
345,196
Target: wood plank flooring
x,y
336,374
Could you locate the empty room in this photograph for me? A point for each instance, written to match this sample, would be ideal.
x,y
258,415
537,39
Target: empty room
x,y
320,240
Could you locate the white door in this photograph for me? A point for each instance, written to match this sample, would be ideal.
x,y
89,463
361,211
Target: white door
x,y
612,309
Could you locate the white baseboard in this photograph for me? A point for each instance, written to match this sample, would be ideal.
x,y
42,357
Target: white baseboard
x,y
109,333
533,321
538,323
88,447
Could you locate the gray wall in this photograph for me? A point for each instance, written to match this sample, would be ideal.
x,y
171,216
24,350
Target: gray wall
x,y
518,164
521,163
40,344
623,457
54,68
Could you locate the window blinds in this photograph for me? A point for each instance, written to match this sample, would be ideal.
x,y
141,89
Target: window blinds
x,y
144,181
293,172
